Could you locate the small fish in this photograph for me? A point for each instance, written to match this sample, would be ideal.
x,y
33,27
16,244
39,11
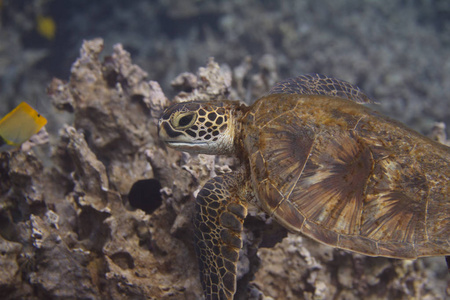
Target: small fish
x,y
46,27
19,125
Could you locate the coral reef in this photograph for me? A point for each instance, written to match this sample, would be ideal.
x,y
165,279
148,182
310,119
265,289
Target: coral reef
x,y
67,226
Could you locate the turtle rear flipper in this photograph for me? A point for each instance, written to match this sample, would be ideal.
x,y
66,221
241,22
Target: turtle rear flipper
x,y
218,227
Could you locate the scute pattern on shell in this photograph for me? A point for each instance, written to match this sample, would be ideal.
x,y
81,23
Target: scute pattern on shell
x,y
348,177
317,84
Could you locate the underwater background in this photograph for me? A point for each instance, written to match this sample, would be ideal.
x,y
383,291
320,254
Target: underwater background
x,y
66,225
397,51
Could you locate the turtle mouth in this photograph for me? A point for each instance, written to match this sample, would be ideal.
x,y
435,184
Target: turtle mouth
x,y
185,145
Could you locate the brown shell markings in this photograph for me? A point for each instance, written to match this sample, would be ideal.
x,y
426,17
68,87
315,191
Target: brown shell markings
x,y
349,177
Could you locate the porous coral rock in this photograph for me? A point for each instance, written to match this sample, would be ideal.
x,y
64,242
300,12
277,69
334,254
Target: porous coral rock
x,y
69,225
211,83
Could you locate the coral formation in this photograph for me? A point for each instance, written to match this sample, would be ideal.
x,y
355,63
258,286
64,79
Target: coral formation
x,y
67,227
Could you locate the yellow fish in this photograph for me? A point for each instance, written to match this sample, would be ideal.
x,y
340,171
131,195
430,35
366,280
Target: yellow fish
x,y
19,125
46,27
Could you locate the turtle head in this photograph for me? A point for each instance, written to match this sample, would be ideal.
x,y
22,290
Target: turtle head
x,y
199,127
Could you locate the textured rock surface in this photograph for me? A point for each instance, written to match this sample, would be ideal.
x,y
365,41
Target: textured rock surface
x,y
66,226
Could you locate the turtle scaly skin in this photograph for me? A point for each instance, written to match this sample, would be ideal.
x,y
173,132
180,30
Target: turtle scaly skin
x,y
320,163
218,229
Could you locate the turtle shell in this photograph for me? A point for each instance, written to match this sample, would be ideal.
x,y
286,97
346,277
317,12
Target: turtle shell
x,y
346,176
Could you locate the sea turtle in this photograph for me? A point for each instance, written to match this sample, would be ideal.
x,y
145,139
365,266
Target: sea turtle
x,y
319,162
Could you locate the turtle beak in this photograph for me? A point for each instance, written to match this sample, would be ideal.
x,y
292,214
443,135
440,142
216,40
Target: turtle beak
x,y
166,132
179,140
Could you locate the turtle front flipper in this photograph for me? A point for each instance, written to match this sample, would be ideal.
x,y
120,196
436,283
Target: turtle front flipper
x,y
317,84
218,225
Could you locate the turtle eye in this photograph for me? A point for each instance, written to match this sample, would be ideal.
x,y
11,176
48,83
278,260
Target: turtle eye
x,y
184,120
